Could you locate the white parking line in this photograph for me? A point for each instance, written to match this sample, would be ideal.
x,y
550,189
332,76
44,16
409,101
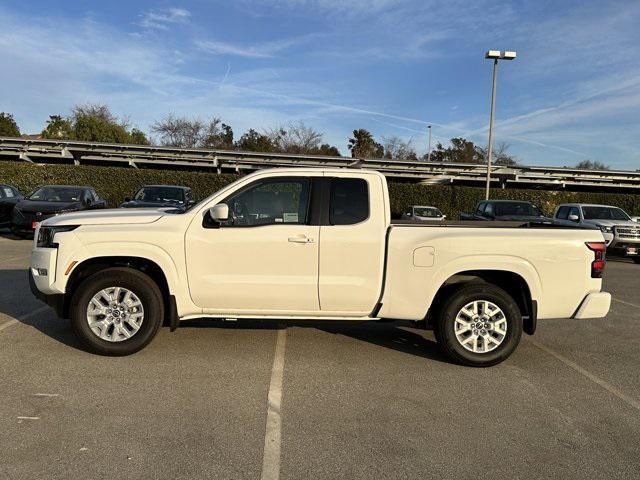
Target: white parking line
x,y
632,402
271,456
13,321
626,303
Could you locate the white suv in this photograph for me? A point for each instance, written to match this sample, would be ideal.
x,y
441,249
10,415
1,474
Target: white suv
x,y
620,232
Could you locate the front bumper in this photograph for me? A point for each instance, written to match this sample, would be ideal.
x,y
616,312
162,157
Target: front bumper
x,y
625,238
594,305
44,262
56,301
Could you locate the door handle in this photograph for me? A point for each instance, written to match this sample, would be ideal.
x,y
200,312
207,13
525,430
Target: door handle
x,y
301,239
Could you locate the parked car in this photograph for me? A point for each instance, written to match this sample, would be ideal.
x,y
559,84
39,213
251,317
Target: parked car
x,y
506,210
49,201
9,196
621,233
156,196
313,243
424,213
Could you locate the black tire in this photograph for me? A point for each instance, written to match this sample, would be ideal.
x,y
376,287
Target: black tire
x,y
18,233
135,281
636,259
445,322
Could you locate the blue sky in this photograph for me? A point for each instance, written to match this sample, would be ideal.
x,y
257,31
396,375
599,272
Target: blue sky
x,y
391,66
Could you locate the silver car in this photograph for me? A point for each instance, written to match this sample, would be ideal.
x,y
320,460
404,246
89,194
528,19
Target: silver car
x,y
620,232
424,213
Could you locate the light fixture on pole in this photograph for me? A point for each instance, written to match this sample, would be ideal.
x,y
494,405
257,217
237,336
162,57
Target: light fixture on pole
x,y
494,55
429,149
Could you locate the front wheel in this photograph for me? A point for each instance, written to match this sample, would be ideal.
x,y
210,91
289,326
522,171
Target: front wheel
x,y
117,311
479,325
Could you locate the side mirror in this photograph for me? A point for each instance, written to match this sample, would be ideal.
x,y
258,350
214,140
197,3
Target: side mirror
x,y
127,199
220,212
574,218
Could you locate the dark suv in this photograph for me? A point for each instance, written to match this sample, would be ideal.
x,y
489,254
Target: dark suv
x,y
160,196
506,210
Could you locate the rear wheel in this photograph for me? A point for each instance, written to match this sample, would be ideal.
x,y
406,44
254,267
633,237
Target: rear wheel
x,y
479,325
117,311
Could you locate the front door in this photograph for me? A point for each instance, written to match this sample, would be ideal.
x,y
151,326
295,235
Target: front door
x,y
264,259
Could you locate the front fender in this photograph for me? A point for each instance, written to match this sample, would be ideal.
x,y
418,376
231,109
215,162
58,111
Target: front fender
x,y
141,250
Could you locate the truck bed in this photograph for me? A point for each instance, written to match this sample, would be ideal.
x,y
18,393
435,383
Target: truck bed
x,y
494,224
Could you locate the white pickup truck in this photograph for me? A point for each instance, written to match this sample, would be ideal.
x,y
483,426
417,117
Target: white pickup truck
x,y
313,244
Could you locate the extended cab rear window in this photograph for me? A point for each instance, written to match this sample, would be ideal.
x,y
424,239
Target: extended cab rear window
x,y
349,201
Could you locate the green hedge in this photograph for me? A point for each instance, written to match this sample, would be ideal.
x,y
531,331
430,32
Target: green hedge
x,y
112,183
453,200
115,183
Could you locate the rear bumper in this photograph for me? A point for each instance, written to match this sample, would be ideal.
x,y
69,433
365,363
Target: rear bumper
x,y
594,305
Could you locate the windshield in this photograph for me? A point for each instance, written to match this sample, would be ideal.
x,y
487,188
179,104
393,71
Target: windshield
x,y
604,213
516,208
57,194
160,194
426,212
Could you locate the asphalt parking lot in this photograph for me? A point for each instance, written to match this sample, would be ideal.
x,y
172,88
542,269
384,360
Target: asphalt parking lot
x,y
356,401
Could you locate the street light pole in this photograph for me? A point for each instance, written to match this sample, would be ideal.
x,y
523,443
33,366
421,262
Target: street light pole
x,y
494,55
493,111
429,149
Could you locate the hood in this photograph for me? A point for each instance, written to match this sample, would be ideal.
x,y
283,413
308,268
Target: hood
x,y
148,204
27,205
525,218
612,223
107,217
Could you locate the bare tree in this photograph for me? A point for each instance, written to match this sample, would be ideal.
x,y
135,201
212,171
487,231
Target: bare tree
x,y
398,149
296,137
592,165
500,155
193,133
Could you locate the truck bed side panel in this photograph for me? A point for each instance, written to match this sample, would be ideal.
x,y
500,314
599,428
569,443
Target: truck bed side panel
x,y
555,263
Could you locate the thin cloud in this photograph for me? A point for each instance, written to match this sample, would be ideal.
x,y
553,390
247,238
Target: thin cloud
x,y
162,19
261,50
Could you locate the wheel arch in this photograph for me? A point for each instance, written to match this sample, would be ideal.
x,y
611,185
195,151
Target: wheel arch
x,y
511,282
93,265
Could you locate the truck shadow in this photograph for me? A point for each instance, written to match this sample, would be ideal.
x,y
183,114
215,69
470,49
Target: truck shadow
x,y
400,336
17,302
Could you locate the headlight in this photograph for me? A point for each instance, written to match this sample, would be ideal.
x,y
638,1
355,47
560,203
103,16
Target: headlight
x,y
46,235
606,229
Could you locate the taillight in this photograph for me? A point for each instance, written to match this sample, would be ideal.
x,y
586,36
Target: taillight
x,y
599,252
